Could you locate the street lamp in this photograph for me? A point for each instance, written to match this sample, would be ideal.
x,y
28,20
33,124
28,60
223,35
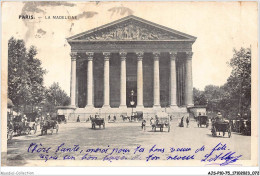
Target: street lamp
x,y
132,100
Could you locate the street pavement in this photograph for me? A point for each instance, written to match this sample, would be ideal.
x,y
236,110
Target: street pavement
x,y
126,135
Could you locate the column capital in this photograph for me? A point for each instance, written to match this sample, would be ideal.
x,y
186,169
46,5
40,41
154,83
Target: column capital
x,y
140,55
122,55
189,55
106,55
73,55
90,55
156,55
173,55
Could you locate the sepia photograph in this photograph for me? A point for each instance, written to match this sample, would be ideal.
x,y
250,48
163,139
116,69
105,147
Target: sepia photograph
x,y
129,84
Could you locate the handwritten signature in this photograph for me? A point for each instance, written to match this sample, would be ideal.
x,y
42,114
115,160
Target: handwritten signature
x,y
228,157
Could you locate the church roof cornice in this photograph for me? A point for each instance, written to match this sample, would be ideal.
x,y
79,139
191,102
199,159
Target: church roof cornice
x,y
185,37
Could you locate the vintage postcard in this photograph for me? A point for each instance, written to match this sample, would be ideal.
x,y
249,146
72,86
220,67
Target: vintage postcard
x,y
129,84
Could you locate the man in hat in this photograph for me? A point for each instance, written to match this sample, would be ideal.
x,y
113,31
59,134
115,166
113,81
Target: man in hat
x,y
219,117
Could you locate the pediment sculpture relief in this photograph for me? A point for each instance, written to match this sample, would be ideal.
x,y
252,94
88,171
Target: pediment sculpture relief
x,y
130,32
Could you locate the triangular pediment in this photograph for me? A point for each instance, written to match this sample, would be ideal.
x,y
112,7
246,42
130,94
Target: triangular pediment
x,y
131,28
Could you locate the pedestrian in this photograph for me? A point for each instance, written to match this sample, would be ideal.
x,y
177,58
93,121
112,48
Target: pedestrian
x,y
109,117
187,121
152,121
181,123
144,125
114,117
78,120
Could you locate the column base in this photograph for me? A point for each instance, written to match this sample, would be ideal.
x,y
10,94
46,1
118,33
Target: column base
x,y
173,106
106,107
72,106
89,107
139,107
122,107
157,106
189,105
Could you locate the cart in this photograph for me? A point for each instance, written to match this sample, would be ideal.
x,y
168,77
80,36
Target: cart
x,y
161,121
221,126
97,122
203,120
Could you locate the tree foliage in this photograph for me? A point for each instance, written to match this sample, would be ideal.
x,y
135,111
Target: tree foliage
x,y
238,86
199,97
55,96
25,75
235,95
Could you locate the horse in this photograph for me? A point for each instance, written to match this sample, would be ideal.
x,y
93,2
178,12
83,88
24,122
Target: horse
x,y
125,118
49,124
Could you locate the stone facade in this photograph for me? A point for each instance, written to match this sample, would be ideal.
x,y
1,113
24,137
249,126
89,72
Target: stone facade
x,y
108,62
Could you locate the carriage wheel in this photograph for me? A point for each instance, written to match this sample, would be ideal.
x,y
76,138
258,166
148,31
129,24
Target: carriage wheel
x,y
57,128
168,128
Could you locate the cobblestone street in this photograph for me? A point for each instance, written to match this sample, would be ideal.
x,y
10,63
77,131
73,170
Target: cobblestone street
x,y
126,135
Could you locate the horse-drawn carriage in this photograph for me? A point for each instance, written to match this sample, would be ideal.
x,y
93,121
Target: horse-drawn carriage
x,y
49,125
97,121
125,117
221,126
22,127
161,121
203,120
61,118
137,116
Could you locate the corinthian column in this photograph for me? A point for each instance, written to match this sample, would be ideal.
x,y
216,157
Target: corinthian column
x,y
73,79
90,80
156,81
140,80
106,80
123,80
188,80
173,83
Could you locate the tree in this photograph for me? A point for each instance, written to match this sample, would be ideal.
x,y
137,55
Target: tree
x,y
238,86
55,96
35,73
21,86
199,97
25,75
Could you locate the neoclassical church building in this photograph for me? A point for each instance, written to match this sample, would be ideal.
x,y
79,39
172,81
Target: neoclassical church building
x,y
131,60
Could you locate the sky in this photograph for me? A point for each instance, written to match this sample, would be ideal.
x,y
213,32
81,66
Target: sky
x,y
219,28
